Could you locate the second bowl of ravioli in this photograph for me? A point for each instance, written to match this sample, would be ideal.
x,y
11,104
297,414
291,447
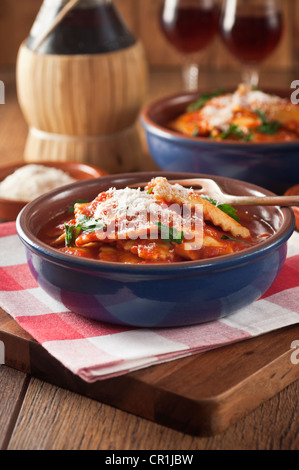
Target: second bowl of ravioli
x,y
269,159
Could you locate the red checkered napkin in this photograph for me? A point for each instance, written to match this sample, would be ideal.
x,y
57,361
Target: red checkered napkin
x,y
95,351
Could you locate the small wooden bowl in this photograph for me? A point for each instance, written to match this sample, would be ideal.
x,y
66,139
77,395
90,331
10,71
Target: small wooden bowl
x,y
294,191
9,209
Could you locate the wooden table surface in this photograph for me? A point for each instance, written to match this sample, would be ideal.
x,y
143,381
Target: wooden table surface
x,y
37,415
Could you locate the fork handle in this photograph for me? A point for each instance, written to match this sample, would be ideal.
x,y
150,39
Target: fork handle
x,y
282,201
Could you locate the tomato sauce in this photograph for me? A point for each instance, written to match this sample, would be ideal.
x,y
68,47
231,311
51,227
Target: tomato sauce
x,y
147,251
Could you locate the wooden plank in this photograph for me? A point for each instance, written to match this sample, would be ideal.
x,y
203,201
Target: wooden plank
x,y
10,333
11,150
16,20
294,37
199,395
52,418
13,385
284,54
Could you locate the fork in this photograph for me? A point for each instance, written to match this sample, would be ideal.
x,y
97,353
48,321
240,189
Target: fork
x,y
213,190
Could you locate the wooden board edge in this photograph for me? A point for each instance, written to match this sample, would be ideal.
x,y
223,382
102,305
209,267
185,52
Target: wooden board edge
x,y
203,417
16,357
211,416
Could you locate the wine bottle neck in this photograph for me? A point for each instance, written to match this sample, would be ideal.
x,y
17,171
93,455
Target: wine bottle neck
x,y
89,27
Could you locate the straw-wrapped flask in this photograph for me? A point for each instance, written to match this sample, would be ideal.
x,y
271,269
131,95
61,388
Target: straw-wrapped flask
x,y
81,81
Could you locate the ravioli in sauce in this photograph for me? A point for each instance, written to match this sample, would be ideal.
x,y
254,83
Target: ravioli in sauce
x,y
247,115
160,223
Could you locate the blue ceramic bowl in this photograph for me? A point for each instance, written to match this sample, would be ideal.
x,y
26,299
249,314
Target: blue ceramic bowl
x,y
163,295
274,166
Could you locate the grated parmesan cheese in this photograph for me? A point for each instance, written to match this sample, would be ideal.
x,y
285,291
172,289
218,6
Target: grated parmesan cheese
x,y
31,181
220,110
137,212
127,204
253,99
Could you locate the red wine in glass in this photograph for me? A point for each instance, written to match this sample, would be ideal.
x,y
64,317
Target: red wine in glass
x,y
191,29
189,26
251,30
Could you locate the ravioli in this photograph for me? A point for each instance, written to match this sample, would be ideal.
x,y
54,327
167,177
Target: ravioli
x,y
162,222
248,115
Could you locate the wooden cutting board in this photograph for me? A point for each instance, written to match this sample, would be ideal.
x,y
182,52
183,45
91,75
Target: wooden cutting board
x,y
200,395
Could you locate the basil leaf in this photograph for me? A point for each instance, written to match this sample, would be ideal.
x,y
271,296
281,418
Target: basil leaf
x,y
235,131
267,126
88,225
169,234
202,100
229,210
69,234
226,237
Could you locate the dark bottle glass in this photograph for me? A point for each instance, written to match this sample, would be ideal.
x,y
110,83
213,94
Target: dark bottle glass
x,y
91,27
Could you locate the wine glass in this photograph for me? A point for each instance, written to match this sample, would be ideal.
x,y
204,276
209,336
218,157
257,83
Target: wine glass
x,y
189,26
251,30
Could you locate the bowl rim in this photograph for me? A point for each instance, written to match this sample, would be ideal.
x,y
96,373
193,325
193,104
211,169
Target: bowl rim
x,y
170,134
19,164
222,262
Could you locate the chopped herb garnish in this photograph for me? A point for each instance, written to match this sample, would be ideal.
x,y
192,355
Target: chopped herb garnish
x,y
170,234
150,190
69,234
198,104
194,133
229,210
226,237
88,225
236,131
72,208
267,126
